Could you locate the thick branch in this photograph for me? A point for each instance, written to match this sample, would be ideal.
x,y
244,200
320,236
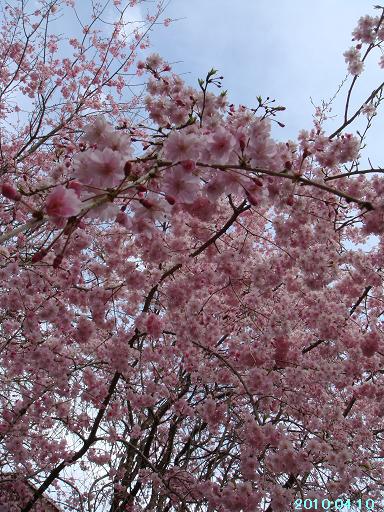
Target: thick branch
x,y
88,443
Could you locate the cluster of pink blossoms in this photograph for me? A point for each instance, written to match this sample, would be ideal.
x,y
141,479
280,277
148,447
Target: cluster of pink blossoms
x,y
369,31
208,334
353,59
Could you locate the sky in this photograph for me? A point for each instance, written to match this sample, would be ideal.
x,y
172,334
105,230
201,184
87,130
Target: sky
x,y
289,50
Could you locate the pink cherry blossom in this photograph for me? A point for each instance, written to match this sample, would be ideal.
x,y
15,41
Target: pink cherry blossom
x,y
370,344
101,134
181,185
62,202
181,146
191,311
353,59
365,30
222,144
102,169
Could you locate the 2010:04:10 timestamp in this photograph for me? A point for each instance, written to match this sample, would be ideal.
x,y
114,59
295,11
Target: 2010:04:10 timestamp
x,y
338,504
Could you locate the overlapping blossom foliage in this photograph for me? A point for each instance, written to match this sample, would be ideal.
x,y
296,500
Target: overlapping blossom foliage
x,y
190,326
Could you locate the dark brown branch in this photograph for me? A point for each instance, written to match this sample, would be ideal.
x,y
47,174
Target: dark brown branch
x,y
349,406
240,209
237,211
353,173
294,177
351,119
88,443
312,346
360,300
351,311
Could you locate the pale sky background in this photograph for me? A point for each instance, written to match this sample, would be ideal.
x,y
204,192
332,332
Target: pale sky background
x,y
290,50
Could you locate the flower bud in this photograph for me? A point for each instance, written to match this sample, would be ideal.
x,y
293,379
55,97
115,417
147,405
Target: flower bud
x,y
57,261
39,256
146,203
76,186
251,198
188,165
290,201
127,169
10,192
121,218
171,200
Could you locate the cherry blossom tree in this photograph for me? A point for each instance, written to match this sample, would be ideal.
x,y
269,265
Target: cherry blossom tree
x,y
187,320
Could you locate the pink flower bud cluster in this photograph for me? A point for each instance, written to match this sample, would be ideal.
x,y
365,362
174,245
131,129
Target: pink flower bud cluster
x,y
353,59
